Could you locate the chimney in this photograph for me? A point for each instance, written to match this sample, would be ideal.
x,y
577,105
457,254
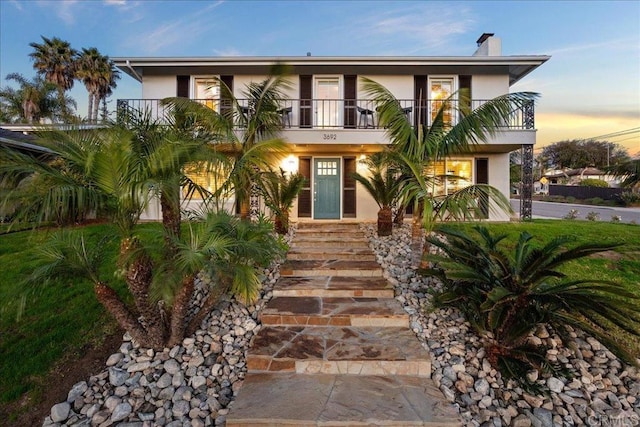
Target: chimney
x,y
488,45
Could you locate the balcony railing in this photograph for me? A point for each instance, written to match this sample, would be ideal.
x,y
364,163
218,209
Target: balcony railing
x,y
330,113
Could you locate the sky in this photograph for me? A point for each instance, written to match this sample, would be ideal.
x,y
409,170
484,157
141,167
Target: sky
x,y
589,88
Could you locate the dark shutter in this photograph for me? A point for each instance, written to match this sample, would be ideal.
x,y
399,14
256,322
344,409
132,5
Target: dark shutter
x,y
421,96
350,82
305,101
304,198
349,188
482,177
465,87
183,86
226,105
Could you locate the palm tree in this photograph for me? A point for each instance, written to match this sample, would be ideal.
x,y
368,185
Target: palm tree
x,y
34,100
87,71
420,147
511,292
108,79
383,184
629,171
279,191
55,60
246,132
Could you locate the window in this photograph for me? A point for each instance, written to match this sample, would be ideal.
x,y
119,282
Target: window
x,y
450,176
207,91
328,168
206,175
441,88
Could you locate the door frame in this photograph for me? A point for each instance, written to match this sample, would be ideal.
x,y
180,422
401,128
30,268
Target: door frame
x,y
339,106
314,159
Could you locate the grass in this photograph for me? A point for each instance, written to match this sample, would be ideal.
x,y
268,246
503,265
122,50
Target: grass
x,y
40,324
621,265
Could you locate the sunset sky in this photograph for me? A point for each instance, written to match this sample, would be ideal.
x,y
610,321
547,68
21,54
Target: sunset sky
x,y
589,88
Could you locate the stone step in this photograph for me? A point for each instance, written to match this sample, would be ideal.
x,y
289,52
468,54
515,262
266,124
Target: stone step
x,y
333,286
312,252
339,350
308,268
328,225
338,231
319,311
283,399
331,241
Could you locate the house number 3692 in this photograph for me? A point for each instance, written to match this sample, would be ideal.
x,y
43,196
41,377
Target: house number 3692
x,y
329,136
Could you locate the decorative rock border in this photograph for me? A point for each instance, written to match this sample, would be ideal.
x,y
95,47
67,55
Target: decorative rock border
x,y
602,392
190,384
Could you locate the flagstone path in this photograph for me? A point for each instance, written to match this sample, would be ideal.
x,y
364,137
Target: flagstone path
x,y
335,348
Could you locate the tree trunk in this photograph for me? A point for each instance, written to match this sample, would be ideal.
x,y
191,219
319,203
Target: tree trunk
x,y
96,106
63,104
138,277
281,223
90,108
399,218
170,206
114,305
179,311
244,208
385,221
416,235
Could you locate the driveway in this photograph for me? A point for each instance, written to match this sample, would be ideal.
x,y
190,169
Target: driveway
x,y
560,210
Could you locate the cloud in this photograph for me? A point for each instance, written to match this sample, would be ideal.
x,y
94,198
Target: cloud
x,y
179,31
16,4
228,52
617,44
115,2
412,25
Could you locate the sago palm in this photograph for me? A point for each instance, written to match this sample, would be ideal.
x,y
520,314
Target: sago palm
x,y
511,293
383,183
279,191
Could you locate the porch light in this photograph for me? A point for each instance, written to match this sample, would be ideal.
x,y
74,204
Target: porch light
x,y
290,164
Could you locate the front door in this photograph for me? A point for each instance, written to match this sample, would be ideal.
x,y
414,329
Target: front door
x,y
326,189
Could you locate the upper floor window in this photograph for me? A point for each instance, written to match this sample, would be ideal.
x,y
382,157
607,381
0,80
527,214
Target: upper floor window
x,y
207,91
440,89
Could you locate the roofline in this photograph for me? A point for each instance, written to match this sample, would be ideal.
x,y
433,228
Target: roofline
x,y
129,64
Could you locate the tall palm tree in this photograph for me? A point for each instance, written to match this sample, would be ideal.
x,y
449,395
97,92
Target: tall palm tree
x,y
108,82
246,132
55,60
420,146
87,71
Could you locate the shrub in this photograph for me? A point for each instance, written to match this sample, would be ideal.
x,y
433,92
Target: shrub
x,y
630,198
572,214
570,199
597,201
592,182
510,294
593,216
616,218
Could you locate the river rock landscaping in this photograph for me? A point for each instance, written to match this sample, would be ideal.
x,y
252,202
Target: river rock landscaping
x,y
601,391
194,383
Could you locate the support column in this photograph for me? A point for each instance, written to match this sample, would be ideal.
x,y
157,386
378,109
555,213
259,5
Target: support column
x,y
527,182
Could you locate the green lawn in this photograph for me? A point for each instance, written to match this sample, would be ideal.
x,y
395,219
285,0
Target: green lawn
x,y
621,265
39,324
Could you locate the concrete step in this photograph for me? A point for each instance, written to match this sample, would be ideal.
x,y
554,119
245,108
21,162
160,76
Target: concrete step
x,y
309,268
279,399
313,252
333,286
339,350
327,311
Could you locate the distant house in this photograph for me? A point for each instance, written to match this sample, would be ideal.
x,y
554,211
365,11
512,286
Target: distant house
x,y
575,176
23,142
330,124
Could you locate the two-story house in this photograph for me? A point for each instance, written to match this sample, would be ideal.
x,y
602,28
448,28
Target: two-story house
x,y
330,125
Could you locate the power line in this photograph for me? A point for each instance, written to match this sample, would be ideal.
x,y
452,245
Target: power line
x,y
614,134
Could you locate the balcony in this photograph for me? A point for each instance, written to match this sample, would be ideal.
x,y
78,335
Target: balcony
x,y
329,114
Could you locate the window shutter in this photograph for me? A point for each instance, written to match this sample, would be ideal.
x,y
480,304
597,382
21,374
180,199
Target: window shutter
x,y
226,105
349,188
306,101
465,84
421,97
482,177
350,82
183,86
304,198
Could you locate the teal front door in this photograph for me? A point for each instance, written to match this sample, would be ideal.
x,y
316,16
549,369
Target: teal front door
x,y
326,189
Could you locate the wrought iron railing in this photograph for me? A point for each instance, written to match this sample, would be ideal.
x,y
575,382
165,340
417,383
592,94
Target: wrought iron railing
x,y
329,113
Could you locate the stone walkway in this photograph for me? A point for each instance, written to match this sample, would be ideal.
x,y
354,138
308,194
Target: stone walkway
x,y
336,348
